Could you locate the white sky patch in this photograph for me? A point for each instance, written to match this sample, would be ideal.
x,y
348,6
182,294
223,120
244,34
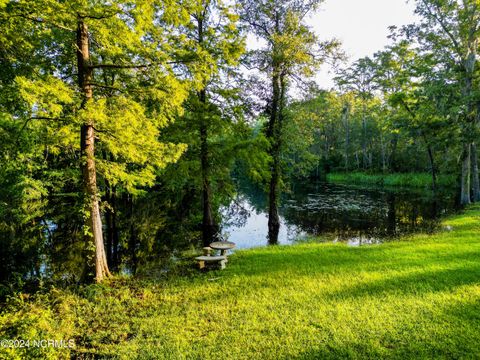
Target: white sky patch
x,y
360,25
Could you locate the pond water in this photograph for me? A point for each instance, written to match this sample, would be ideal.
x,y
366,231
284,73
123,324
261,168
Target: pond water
x,y
49,243
334,212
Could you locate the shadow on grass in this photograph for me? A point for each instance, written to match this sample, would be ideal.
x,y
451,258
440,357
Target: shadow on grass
x,y
416,283
457,336
402,351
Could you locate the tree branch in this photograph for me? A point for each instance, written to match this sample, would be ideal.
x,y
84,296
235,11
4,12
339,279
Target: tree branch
x,y
42,21
444,27
137,66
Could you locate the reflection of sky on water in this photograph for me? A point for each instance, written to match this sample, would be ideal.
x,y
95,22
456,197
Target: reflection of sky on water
x,y
253,229
338,213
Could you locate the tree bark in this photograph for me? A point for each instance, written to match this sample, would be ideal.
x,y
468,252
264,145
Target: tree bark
x,y
209,227
433,169
470,118
274,134
87,145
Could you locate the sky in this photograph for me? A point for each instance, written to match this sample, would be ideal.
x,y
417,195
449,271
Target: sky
x,y
361,26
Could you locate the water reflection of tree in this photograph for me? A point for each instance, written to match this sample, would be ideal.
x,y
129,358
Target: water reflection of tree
x,y
379,213
67,250
22,240
237,212
44,240
250,198
252,193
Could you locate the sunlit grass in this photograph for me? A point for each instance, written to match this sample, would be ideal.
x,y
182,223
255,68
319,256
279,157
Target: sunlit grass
x,y
408,180
415,298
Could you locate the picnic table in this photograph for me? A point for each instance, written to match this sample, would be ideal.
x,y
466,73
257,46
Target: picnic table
x,y
223,246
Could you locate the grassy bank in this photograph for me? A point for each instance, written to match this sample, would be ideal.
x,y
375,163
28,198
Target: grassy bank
x,y
418,180
412,299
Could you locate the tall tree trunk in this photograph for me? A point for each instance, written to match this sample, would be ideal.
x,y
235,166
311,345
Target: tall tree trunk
x,y
433,169
87,139
474,157
274,133
209,228
273,216
469,66
465,178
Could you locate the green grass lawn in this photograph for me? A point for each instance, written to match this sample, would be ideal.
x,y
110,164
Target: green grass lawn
x,y
412,299
420,180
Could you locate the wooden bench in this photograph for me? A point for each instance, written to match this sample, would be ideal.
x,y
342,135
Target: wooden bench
x,y
206,259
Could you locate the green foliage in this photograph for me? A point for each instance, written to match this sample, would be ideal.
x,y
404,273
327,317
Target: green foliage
x,y
217,51
417,180
138,85
123,37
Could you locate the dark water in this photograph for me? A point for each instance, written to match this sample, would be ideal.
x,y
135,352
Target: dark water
x,y
352,214
42,241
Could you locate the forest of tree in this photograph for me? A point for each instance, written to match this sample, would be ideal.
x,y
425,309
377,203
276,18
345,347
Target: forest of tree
x,y
126,124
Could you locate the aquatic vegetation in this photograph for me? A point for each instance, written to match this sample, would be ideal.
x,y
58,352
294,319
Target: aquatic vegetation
x,y
420,180
339,211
